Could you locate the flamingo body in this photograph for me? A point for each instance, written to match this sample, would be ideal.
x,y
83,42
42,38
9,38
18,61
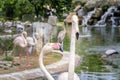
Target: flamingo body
x,y
108,52
32,42
20,41
61,35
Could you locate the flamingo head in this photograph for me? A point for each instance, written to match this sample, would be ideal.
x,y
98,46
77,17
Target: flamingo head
x,y
103,57
52,47
24,33
57,46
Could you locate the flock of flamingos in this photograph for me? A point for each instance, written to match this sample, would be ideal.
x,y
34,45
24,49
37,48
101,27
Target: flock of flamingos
x,y
22,41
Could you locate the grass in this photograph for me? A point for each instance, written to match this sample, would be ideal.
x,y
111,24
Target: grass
x,y
48,58
51,58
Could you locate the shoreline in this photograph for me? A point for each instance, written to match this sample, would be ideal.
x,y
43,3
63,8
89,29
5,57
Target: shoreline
x,y
57,67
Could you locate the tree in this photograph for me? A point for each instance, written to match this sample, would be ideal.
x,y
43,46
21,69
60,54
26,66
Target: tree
x,y
59,6
17,8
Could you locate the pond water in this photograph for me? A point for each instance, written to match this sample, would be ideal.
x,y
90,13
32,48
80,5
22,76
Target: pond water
x,y
93,42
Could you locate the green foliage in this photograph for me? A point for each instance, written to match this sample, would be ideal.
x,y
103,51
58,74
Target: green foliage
x,y
6,45
8,58
17,8
23,7
54,39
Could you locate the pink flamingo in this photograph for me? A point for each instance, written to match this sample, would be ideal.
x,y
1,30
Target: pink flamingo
x,y
21,41
61,36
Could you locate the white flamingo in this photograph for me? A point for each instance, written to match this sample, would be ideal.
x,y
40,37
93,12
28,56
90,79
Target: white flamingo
x,y
71,75
32,42
47,48
21,41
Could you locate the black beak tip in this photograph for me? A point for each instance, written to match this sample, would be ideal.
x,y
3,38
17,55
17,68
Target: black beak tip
x,y
61,49
77,35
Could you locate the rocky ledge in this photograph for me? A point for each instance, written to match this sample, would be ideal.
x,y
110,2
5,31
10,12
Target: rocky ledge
x,y
56,67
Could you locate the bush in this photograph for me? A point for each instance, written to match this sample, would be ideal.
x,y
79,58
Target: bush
x,y
8,58
6,45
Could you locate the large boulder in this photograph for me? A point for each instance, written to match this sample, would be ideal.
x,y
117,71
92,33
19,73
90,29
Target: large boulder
x,y
52,20
44,30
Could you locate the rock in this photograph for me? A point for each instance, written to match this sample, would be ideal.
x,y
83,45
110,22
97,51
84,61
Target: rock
x,y
89,5
44,31
52,20
116,14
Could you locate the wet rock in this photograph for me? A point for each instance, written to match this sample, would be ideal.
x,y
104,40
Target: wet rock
x,y
116,14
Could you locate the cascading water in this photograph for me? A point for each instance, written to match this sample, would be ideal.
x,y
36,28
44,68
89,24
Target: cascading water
x,y
106,15
85,30
87,17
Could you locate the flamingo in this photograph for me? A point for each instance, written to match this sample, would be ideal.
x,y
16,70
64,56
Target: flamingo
x,y
21,41
61,36
108,53
32,42
48,47
71,75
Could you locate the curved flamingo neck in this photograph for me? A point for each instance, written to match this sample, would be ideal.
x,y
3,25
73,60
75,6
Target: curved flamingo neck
x,y
64,29
46,73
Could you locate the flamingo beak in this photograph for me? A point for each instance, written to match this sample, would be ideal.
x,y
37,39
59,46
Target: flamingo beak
x,y
77,35
102,57
58,46
61,48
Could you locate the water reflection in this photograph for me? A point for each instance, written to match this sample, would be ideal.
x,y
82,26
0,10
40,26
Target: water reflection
x,y
101,39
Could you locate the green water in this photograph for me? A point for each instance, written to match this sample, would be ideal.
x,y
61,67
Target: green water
x,y
91,48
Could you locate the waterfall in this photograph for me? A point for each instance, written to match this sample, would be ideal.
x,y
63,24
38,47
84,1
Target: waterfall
x,y
87,17
106,15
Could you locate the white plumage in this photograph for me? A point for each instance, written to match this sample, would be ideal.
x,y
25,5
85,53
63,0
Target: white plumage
x,y
32,42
